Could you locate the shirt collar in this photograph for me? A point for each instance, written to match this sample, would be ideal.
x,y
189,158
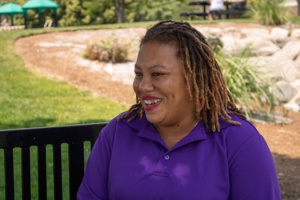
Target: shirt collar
x,y
147,130
140,123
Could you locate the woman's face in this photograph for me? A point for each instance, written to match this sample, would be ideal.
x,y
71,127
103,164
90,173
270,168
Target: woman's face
x,y
160,85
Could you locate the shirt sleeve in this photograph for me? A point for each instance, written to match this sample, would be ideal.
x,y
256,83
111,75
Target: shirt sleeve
x,y
94,183
251,169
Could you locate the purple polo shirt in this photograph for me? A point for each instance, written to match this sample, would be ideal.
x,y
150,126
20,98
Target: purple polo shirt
x,y
130,161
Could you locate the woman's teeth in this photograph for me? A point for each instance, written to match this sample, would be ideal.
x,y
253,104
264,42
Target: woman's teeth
x,y
151,102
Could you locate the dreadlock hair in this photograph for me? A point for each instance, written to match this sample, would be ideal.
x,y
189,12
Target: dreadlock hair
x,y
208,89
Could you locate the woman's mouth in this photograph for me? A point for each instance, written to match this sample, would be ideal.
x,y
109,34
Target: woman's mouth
x,y
151,104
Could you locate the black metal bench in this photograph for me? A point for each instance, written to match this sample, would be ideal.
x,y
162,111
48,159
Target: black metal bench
x,y
198,3
74,136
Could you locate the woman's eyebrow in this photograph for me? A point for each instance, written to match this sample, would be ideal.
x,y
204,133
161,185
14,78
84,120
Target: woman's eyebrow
x,y
151,67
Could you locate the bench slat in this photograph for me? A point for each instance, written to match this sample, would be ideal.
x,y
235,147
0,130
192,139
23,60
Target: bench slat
x,y
76,167
9,174
57,172
26,189
42,176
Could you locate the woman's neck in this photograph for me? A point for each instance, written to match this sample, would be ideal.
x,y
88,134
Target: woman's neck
x,y
171,134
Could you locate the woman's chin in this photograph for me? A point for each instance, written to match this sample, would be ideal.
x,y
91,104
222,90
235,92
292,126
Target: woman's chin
x,y
152,117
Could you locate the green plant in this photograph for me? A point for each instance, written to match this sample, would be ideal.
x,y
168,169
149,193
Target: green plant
x,y
269,12
248,86
115,50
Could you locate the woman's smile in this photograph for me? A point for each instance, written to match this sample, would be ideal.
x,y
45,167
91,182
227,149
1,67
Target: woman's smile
x,y
150,102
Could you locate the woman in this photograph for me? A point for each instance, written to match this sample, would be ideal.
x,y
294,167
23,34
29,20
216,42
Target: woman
x,y
184,138
215,5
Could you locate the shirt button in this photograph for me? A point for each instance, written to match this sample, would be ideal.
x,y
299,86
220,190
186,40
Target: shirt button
x,y
167,157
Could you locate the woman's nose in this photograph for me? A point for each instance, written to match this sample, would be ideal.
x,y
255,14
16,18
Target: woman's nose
x,y
146,85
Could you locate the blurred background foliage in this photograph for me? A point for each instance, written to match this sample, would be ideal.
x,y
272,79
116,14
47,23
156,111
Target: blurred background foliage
x,y
94,12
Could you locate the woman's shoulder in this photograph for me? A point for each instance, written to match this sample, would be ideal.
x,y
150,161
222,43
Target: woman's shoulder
x,y
245,130
123,124
244,137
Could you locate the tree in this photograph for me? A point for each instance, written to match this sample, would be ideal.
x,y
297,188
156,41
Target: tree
x,y
120,5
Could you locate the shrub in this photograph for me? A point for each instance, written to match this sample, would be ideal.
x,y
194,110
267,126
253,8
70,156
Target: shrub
x,y
248,86
115,50
269,12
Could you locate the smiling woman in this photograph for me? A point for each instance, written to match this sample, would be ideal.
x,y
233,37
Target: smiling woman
x,y
184,138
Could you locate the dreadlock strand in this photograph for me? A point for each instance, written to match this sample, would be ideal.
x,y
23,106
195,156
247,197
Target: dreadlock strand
x,y
196,88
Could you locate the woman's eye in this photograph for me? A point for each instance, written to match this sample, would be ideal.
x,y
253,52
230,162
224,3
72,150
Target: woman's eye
x,y
157,74
138,74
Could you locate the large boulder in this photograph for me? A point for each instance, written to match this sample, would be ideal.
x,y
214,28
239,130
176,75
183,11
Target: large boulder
x,y
290,51
232,45
260,46
292,106
288,69
288,91
296,33
284,69
280,36
262,33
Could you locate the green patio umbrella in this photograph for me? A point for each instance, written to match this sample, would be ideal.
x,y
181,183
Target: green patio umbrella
x,y
39,5
11,9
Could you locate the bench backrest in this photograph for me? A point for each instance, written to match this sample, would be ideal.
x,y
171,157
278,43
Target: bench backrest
x,y
74,136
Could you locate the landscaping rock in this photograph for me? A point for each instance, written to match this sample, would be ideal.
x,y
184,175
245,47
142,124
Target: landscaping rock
x,y
288,91
297,60
292,106
266,65
290,51
232,45
233,32
279,36
255,32
288,70
296,33
260,46
204,31
215,33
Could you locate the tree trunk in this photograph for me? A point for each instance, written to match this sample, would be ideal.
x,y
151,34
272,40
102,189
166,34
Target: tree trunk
x,y
119,6
298,1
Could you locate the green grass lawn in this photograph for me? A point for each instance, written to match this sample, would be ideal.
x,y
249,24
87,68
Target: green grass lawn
x,y
28,100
